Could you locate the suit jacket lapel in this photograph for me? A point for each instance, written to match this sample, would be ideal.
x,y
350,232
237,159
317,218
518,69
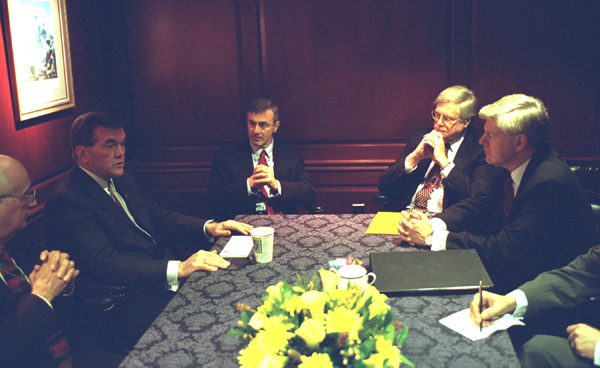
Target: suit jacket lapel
x,y
101,198
537,158
464,151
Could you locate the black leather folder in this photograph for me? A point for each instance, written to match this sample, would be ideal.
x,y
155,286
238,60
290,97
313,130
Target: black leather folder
x,y
427,271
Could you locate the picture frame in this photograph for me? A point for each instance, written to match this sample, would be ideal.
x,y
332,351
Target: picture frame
x,y
39,57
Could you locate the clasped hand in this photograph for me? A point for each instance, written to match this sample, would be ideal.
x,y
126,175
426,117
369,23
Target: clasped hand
x,y
55,274
263,175
431,146
414,227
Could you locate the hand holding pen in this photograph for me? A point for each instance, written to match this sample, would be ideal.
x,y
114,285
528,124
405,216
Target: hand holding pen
x,y
486,307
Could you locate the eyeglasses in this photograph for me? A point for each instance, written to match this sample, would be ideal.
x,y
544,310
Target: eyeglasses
x,y
445,119
30,196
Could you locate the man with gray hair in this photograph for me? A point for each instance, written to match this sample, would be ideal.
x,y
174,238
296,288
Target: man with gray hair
x,y
439,167
532,214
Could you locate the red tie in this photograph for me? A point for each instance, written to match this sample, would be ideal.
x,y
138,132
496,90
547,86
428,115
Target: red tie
x,y
19,285
263,161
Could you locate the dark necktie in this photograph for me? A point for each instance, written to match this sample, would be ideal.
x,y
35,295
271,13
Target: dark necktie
x,y
263,161
430,183
19,285
509,195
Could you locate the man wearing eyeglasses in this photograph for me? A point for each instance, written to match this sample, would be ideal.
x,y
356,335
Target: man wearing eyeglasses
x,y
439,167
29,327
532,214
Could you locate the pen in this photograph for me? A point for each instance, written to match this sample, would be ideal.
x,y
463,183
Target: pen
x,y
480,306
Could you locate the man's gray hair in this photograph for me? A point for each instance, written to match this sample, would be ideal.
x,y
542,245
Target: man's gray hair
x,y
520,114
461,96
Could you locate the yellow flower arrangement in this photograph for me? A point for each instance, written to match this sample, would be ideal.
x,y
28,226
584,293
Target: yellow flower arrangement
x,y
314,324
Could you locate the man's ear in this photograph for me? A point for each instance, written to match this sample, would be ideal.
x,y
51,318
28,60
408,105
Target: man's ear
x,y
275,126
80,153
520,142
467,122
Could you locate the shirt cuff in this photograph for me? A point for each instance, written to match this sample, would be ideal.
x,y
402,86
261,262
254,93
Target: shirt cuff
x,y
440,234
45,300
172,272
522,302
206,233
597,353
407,167
446,170
278,192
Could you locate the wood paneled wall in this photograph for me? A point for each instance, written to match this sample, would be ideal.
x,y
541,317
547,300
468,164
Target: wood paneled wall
x,y
352,80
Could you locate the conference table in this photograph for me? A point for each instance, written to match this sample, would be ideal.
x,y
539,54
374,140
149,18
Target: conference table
x,y
191,330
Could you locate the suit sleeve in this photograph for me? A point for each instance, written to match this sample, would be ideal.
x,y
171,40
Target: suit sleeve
x,y
228,189
25,330
395,182
296,186
76,228
565,287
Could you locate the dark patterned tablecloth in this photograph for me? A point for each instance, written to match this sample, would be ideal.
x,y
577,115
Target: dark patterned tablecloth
x,y
191,330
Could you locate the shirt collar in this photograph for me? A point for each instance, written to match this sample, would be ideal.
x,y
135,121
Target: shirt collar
x,y
269,149
517,174
102,182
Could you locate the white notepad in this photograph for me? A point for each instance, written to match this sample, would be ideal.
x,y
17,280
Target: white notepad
x,y
239,246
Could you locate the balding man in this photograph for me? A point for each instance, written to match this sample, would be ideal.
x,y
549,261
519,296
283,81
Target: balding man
x,y
30,331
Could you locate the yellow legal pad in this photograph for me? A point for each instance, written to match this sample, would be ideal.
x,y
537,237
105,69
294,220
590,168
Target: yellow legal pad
x,y
384,223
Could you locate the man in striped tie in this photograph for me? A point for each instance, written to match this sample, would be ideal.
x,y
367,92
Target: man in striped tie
x,y
30,331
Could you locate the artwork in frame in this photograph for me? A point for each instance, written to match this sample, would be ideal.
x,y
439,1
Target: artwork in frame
x,y
39,57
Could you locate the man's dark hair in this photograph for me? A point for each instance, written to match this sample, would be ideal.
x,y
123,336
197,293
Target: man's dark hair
x,y
263,104
84,127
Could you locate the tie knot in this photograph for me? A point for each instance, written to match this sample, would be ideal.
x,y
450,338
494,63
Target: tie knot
x,y
263,158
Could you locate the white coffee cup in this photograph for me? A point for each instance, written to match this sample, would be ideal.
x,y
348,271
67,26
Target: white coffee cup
x,y
262,237
354,275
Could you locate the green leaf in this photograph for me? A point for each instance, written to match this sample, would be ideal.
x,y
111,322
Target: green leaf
x,y
246,315
389,331
405,361
234,332
402,336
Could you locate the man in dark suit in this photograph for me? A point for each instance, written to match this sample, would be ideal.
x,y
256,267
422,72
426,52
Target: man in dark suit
x,y
424,162
30,330
531,207
564,288
115,233
244,183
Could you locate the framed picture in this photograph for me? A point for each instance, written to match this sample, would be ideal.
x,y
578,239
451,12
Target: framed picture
x,y
39,57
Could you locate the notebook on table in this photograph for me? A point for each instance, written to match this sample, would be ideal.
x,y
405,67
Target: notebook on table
x,y
426,271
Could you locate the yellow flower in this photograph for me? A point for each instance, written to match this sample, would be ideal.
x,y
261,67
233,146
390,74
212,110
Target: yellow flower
x,y
330,280
316,360
342,319
274,291
258,320
273,361
388,351
370,292
377,308
312,332
375,361
314,301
